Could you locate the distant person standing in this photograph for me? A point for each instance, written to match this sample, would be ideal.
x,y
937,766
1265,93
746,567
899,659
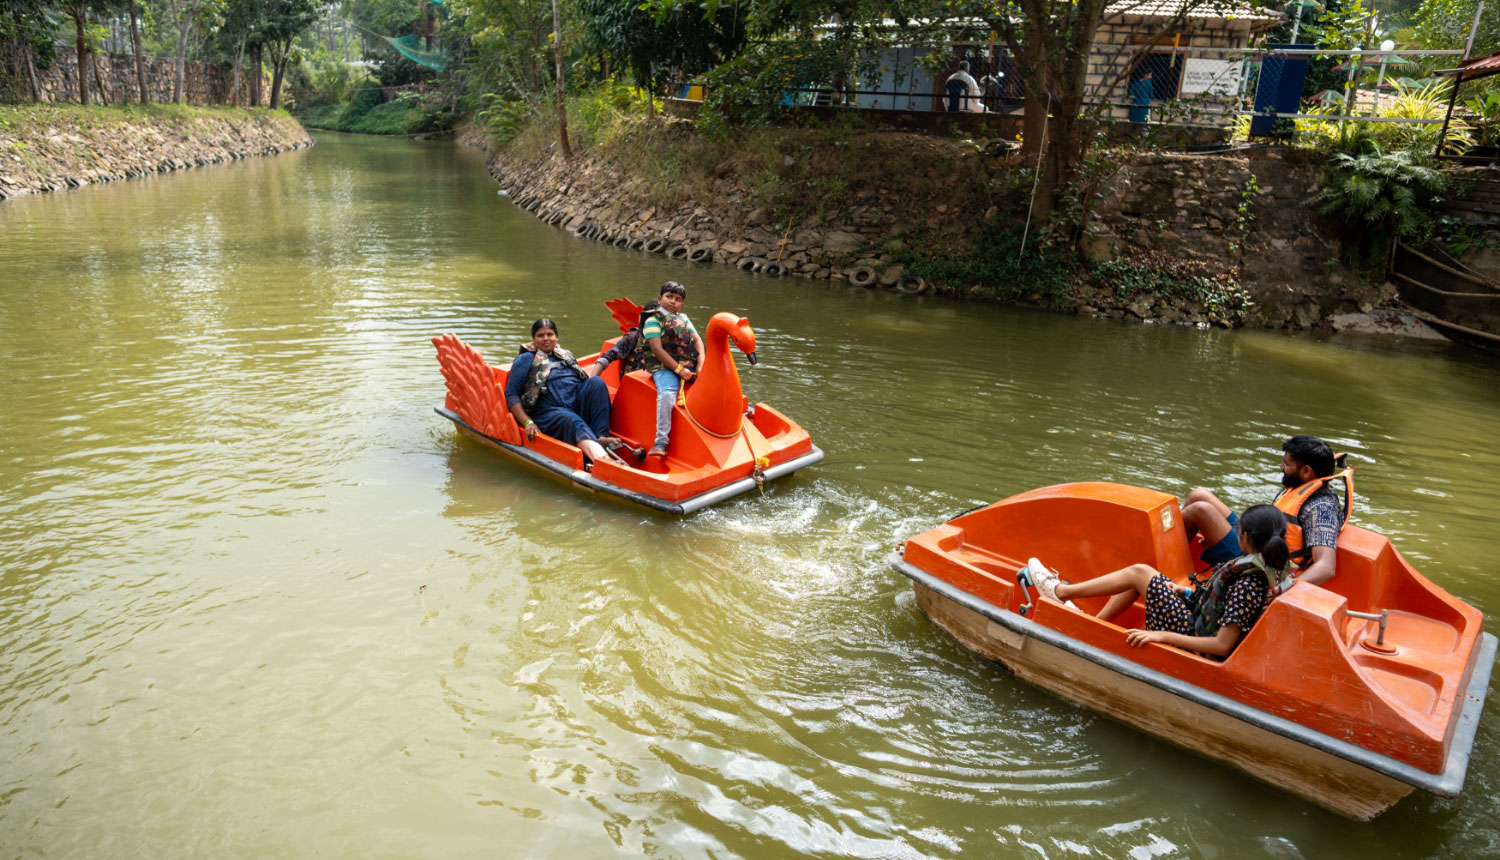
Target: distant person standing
x,y
963,91
1141,90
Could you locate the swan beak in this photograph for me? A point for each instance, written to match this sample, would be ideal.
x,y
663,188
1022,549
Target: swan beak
x,y
751,356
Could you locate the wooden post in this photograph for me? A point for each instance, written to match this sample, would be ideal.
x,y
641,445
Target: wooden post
x,y
1452,100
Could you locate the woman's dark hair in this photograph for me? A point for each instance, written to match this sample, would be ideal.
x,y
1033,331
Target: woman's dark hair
x,y
673,287
647,310
1311,451
541,324
1265,526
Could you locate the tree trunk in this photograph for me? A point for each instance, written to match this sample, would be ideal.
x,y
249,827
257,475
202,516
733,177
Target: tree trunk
x,y
104,95
36,89
140,56
278,68
562,114
182,36
255,68
83,62
23,58
239,60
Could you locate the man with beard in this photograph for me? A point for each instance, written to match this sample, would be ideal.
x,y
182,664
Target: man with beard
x,y
1312,509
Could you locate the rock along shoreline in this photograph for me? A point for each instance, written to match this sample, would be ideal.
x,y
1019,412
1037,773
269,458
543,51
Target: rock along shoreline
x,y
1206,216
45,148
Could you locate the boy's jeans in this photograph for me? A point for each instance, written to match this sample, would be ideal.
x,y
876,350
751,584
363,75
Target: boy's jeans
x,y
667,384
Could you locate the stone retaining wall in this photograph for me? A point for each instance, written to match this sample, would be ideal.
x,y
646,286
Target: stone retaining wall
x,y
53,153
1244,216
1199,214
203,83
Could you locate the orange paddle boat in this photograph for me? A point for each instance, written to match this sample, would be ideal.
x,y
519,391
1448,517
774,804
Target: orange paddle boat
x,y
720,447
1350,695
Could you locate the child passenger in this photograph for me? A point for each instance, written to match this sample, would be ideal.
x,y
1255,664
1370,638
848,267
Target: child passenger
x,y
672,351
1209,619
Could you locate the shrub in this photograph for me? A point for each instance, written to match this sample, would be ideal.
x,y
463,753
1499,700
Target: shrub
x,y
996,264
1428,102
1172,280
502,120
1381,197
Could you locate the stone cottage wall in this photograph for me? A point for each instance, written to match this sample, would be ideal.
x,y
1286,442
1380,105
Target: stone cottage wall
x,y
1117,40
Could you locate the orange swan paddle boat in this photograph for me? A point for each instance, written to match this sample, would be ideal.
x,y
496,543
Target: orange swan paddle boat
x,y
1350,695
720,447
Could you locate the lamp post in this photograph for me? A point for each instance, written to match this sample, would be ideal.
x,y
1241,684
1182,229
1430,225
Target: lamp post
x,y
1380,82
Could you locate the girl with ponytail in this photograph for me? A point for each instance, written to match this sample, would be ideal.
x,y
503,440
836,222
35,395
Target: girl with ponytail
x,y
1210,616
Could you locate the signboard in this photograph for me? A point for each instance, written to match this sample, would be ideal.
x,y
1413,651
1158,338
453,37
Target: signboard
x,y
1216,77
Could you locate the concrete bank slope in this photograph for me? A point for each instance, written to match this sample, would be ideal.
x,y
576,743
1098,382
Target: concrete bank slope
x,y
54,147
1236,220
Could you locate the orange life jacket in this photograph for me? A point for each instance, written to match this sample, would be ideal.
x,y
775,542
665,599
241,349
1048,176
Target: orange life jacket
x,y
1290,504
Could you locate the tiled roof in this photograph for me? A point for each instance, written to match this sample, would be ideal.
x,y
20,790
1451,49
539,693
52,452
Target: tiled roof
x,y
1480,67
1212,9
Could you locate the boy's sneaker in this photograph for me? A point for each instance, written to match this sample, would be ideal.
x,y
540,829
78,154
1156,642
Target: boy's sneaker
x,y
658,452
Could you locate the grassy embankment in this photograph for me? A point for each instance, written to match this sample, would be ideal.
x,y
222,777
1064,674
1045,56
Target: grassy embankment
x,y
16,118
51,147
367,114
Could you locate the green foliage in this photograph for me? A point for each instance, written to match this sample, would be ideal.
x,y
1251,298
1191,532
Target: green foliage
x,y
326,81
502,119
1445,24
1428,102
30,24
1486,106
368,113
377,18
597,115
1380,197
996,264
757,86
652,38
1135,280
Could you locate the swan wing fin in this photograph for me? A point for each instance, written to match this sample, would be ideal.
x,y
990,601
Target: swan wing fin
x,y
627,314
473,390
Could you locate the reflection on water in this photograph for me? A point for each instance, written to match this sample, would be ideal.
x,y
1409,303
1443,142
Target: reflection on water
x,y
259,600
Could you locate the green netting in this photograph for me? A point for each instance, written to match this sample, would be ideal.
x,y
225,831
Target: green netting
x,y
410,48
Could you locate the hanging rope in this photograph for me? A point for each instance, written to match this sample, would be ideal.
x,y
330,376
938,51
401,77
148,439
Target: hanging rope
x,y
759,462
1039,152
682,402
784,238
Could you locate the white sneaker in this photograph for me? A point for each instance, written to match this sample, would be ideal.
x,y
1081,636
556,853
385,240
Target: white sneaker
x,y
1044,579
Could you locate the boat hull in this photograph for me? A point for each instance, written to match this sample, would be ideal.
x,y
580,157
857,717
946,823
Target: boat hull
x,y
1329,772
587,482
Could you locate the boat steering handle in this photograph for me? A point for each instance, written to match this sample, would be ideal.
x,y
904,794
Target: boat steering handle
x,y
1384,618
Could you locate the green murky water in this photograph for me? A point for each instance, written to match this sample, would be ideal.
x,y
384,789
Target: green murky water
x,y
259,601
